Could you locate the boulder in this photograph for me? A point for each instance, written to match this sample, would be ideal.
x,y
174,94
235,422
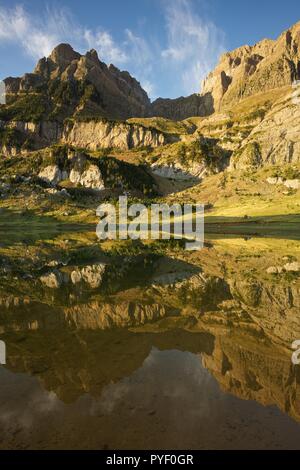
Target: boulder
x,y
52,280
89,178
53,175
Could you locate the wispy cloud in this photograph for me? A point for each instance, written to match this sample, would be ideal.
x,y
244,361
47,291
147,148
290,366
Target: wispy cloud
x,y
191,50
37,36
104,43
142,56
194,44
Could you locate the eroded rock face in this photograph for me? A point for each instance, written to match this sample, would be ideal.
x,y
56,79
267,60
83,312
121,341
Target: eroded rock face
x,y
52,280
39,134
46,131
178,172
249,70
92,135
104,134
275,141
182,108
53,175
92,275
80,172
90,178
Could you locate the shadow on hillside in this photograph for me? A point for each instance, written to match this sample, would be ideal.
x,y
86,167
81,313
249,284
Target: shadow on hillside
x,y
279,226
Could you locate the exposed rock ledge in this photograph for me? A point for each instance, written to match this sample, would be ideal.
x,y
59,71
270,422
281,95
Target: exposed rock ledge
x,y
106,134
91,135
79,172
179,173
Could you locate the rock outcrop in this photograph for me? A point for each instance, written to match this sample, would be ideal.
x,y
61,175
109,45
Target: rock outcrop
x,y
53,174
89,178
290,184
90,134
182,108
250,70
275,141
80,169
105,134
69,83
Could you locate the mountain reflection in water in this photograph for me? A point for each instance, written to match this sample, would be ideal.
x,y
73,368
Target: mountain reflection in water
x,y
115,352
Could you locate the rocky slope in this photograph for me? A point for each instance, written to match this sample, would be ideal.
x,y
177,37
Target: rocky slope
x,y
275,140
22,137
250,70
105,134
67,83
182,108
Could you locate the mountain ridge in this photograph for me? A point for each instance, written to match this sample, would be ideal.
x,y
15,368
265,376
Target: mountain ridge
x,y
89,87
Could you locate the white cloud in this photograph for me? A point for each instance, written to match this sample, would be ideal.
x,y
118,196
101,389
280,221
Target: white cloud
x,y
149,87
36,36
142,56
140,50
194,44
104,43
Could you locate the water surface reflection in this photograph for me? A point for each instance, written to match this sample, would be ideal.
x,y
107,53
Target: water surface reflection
x,y
180,351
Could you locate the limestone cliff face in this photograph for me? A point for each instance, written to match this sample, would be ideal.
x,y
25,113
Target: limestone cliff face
x,y
92,135
23,136
275,140
182,108
104,134
46,131
249,70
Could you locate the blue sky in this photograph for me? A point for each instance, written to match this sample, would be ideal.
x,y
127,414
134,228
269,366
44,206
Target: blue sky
x,y
168,45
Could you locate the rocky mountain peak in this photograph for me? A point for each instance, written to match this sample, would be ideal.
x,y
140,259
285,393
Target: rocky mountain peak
x,y
93,56
63,54
67,83
249,70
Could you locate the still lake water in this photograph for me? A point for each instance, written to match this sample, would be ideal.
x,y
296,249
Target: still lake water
x,y
151,352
